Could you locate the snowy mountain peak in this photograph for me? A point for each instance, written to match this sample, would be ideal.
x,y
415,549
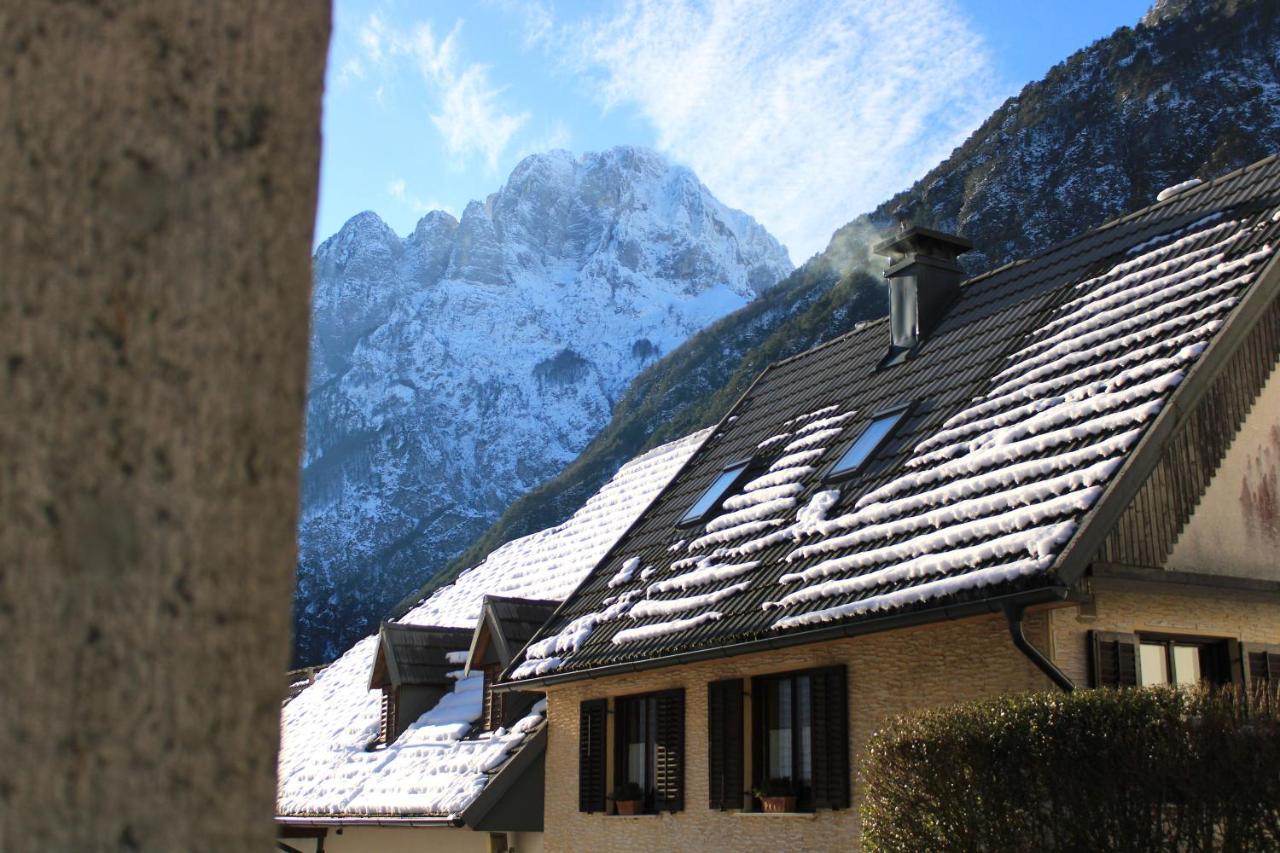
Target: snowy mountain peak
x,y
458,367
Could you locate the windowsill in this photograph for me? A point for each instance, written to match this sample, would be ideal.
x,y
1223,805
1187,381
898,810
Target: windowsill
x,y
634,816
801,815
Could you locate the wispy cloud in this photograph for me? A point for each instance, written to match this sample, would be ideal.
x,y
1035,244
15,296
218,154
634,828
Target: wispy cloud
x,y
801,113
467,109
398,189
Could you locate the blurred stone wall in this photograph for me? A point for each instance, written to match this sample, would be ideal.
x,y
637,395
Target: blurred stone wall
x,y
158,171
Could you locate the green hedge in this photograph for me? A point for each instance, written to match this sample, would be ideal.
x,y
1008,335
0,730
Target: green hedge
x,y
1135,770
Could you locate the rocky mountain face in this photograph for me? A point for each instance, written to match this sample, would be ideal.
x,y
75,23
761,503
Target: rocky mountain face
x,y
455,369
1192,90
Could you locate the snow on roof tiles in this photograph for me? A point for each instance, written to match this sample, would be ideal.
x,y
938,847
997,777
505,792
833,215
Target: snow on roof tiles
x,y
433,768
1029,397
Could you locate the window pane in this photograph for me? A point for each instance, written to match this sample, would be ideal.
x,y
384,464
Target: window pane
x,y
1186,664
635,726
1155,665
779,717
712,495
804,722
867,442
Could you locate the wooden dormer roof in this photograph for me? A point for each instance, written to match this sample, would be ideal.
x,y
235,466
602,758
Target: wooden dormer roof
x,y
416,655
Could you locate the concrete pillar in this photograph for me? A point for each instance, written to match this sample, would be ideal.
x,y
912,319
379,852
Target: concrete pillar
x,y
158,168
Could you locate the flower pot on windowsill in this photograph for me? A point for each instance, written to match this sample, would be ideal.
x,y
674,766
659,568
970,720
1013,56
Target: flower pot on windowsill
x,y
628,798
629,807
778,805
777,795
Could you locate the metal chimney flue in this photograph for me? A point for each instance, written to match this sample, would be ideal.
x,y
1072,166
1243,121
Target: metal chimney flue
x,y
924,281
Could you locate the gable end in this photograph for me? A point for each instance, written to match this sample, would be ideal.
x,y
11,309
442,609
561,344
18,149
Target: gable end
x,y
1148,529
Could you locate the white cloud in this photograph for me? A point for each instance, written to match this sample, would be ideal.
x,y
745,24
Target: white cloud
x,y
555,136
467,112
398,189
804,114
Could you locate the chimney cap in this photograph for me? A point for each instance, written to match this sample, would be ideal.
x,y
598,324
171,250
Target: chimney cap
x,y
916,237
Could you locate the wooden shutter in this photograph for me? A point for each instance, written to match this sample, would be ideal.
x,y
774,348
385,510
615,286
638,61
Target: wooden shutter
x,y
724,743
1261,665
387,719
830,759
668,782
1115,659
494,707
591,762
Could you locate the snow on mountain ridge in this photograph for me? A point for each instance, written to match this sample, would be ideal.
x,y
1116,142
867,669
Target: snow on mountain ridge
x,y
457,367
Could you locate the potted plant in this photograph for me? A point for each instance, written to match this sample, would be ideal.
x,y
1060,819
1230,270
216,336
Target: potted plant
x,y
777,795
629,798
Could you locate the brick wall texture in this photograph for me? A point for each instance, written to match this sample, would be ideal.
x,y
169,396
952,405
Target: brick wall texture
x,y
889,673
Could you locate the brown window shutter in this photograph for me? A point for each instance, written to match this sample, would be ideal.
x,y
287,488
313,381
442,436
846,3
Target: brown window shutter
x,y
724,743
494,708
668,788
1115,659
387,719
830,758
1261,665
591,764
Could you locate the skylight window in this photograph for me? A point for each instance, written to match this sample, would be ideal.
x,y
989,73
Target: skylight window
x,y
867,441
712,497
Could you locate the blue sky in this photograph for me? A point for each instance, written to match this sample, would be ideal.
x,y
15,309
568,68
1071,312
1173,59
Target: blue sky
x,y
803,113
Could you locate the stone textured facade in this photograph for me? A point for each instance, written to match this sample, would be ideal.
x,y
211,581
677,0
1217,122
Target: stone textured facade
x,y
889,673
158,167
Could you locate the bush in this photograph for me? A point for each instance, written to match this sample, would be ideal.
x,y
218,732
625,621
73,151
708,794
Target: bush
x,y
1140,770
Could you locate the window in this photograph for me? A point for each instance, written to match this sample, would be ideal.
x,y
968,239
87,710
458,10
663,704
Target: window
x,y
800,723
867,441
715,493
1182,660
788,733
1131,660
649,747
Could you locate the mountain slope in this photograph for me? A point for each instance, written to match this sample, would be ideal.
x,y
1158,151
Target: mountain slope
x,y
457,368
1193,90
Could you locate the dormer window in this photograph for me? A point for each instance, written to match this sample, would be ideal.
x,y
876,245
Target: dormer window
x,y
868,441
411,669
505,626
715,494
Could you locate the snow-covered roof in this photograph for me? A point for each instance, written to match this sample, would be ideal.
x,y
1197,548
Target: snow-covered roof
x,y
1024,404
433,767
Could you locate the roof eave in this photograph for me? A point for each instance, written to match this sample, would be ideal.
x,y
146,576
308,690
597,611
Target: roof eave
x,y
438,821
1040,595
1076,557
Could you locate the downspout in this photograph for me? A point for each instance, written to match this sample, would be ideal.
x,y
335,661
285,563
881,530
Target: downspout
x,y
1014,613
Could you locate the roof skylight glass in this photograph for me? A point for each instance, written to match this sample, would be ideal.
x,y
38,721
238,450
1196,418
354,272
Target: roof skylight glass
x,y
871,437
711,497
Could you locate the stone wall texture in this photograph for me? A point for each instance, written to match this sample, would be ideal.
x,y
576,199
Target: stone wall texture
x,y
889,673
158,169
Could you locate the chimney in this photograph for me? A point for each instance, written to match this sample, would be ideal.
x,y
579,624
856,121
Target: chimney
x,y
924,279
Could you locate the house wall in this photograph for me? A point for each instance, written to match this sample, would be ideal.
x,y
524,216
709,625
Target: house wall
x,y
890,673
1164,609
1235,529
386,839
